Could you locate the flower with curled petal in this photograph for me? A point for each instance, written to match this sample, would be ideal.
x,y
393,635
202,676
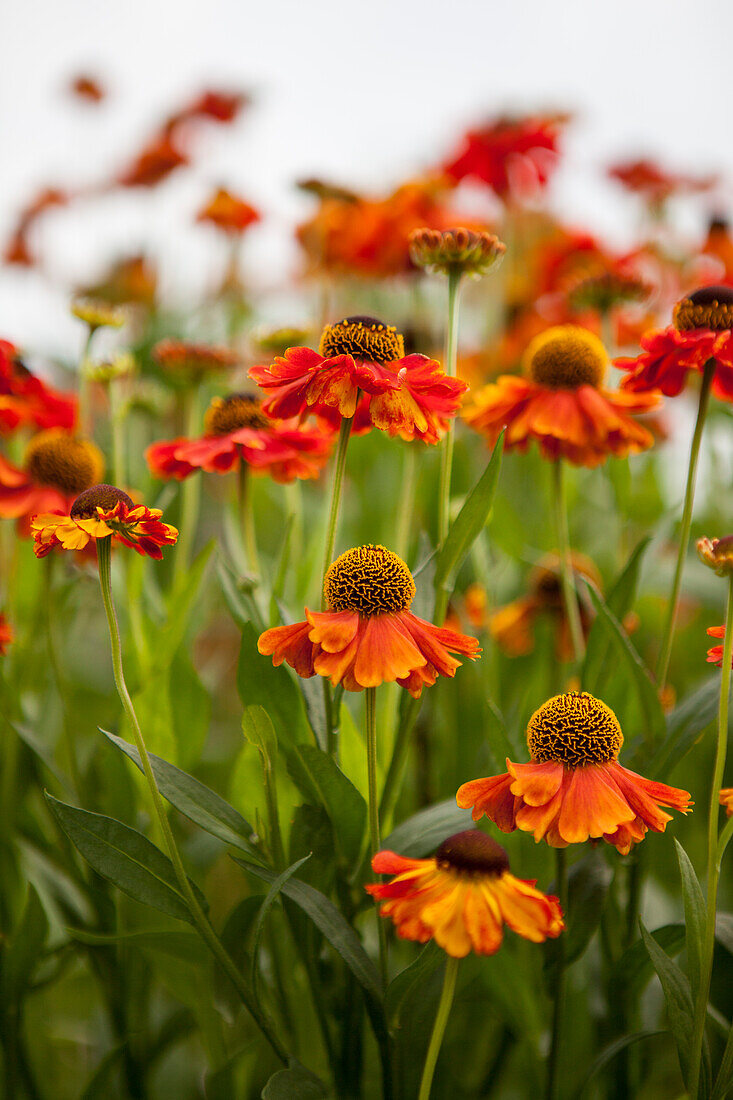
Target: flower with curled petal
x,y
97,513
26,401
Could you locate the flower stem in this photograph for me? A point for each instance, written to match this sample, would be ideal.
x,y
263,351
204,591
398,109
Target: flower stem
x,y
701,1004
441,1019
190,495
374,840
336,486
246,517
566,562
558,1007
85,423
407,501
674,597
199,918
446,451
119,465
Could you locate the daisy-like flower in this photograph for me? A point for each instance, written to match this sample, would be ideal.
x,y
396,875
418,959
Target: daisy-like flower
x,y
228,212
409,396
97,513
512,626
455,251
26,401
6,634
56,468
463,897
715,653
573,789
237,430
187,362
368,636
701,332
561,402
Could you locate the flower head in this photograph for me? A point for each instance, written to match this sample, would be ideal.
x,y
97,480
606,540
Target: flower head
x,y
368,635
97,513
56,468
183,361
717,554
702,331
458,251
361,357
573,788
26,401
655,183
6,634
513,156
463,897
561,402
97,313
228,212
237,430
607,291
715,653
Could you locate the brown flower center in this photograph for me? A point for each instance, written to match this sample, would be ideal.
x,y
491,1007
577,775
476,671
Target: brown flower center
x,y
565,357
228,414
60,460
574,729
368,579
709,307
362,338
99,496
472,853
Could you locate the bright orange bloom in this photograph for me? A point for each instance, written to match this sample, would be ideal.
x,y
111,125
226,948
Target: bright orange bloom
x,y
26,401
719,243
212,104
155,162
701,331
56,468
6,634
238,431
514,156
97,513
368,636
715,653
409,396
228,212
463,897
562,403
726,799
573,788
655,183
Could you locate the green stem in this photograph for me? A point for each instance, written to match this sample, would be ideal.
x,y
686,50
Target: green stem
x,y
701,1004
246,517
400,750
373,803
66,716
674,597
336,486
119,465
446,451
570,597
441,1019
190,495
200,920
85,423
407,501
558,1007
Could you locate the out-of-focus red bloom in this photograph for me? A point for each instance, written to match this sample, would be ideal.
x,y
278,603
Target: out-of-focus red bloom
x,y
6,634
655,183
238,431
513,156
156,161
228,212
26,401
18,249
218,106
719,243
87,87
715,653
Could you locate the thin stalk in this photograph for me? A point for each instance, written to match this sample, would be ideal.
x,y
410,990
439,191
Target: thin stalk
x,y
119,464
406,501
570,597
190,495
336,486
66,718
446,450
674,597
246,517
558,1007
199,918
373,803
441,1019
400,750
701,1004
85,421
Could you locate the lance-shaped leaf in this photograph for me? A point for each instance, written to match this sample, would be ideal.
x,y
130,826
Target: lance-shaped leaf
x,y
422,833
694,917
323,783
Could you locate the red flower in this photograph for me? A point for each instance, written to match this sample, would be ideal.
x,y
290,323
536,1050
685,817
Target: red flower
x,y
97,513
669,356
18,250
656,183
511,155
715,653
156,161
228,212
237,430
6,634
27,401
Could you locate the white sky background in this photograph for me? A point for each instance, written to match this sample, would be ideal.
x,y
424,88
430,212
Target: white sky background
x,y
362,94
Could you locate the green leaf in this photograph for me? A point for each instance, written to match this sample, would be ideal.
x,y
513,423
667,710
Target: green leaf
x,y
685,725
422,833
620,599
267,904
190,709
634,969
180,945
470,521
22,952
259,682
677,997
724,930
331,924
588,883
695,917
180,603
608,1054
322,782
258,729
100,1085
195,800
639,674
125,857
294,1084
409,981
242,606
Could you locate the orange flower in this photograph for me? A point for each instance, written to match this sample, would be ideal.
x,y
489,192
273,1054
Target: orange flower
x,y
368,636
701,331
573,788
97,513
6,634
155,162
129,281
409,396
56,468
715,653
562,404
237,430
726,799
463,897
513,156
512,626
655,183
228,212
719,243
184,361
27,401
